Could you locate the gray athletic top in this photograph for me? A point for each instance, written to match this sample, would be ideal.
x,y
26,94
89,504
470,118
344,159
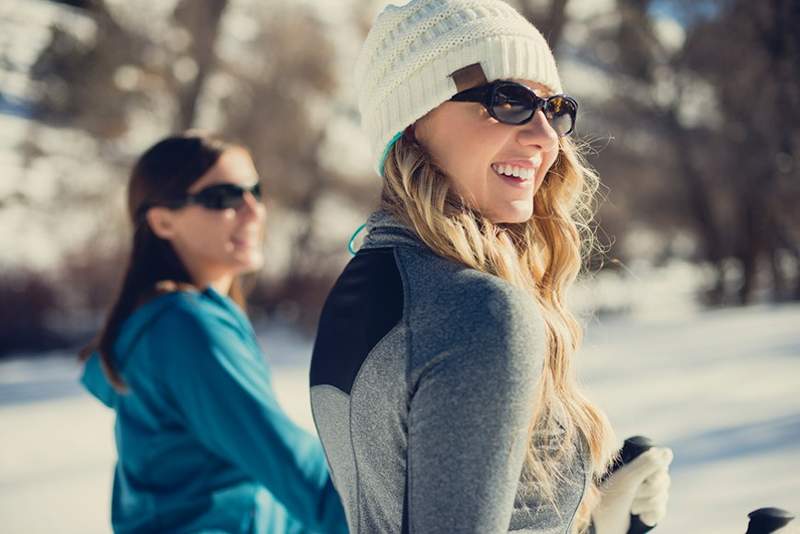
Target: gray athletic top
x,y
423,379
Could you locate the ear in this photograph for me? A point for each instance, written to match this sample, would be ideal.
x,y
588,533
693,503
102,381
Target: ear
x,y
161,222
421,129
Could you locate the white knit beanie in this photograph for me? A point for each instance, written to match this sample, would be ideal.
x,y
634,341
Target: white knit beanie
x,y
405,65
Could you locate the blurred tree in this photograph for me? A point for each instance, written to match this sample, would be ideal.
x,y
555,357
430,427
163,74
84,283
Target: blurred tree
x,y
701,129
757,81
28,304
708,131
278,105
261,74
550,18
201,23
658,71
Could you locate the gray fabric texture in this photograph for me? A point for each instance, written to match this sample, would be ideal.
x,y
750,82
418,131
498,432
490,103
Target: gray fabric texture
x,y
441,405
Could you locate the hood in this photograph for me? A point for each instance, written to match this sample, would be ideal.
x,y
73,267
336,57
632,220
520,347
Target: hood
x,y
96,383
386,230
93,377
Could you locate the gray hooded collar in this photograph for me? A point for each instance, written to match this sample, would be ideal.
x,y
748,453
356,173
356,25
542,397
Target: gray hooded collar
x,y
386,230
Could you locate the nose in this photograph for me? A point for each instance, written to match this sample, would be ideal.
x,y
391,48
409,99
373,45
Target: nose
x,y
538,132
252,208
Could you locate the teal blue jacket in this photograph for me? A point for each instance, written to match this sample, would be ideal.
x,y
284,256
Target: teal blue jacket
x,y
202,444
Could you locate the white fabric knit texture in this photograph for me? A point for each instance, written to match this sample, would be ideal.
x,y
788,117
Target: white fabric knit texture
x,y
405,65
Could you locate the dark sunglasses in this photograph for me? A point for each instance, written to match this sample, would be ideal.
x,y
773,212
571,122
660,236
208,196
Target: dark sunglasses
x,y
218,197
213,197
513,103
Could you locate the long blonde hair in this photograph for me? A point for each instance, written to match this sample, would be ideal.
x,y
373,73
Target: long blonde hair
x,y
542,256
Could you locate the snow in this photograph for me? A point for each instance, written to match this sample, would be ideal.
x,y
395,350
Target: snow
x,y
719,387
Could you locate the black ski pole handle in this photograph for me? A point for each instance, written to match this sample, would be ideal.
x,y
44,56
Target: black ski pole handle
x,y
766,520
633,447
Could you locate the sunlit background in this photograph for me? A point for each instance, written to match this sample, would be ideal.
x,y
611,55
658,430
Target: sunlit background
x,y
690,112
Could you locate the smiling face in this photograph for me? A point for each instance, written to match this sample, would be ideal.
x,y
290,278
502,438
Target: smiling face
x,y
216,245
497,168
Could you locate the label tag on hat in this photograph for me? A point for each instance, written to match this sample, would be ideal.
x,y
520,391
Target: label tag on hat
x,y
469,77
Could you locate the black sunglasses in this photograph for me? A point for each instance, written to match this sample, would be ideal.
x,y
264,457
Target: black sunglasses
x,y
218,197
213,197
513,103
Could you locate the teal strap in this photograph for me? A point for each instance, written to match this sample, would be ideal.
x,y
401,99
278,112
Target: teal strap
x,y
386,150
353,238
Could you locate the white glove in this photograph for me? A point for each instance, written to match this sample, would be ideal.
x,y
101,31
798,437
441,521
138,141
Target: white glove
x,y
639,488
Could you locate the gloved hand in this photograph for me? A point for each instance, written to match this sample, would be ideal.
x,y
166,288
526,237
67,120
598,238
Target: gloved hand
x,y
640,487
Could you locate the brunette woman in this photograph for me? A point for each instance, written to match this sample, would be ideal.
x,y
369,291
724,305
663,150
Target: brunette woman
x,y
202,443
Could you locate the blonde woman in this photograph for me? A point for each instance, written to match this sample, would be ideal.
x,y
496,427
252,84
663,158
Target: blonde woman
x,y
441,379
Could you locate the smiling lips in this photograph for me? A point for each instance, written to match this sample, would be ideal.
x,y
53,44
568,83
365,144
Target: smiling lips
x,y
519,172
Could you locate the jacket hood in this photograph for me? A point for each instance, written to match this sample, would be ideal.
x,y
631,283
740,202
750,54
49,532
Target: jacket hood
x,y
132,328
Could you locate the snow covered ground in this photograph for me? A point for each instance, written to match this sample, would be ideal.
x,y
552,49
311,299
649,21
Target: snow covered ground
x,y
721,388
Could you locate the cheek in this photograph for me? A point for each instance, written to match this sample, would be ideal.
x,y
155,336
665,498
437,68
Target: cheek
x,y
550,158
208,232
465,155
221,227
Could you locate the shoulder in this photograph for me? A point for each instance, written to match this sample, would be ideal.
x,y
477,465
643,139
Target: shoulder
x,y
464,312
189,318
195,339
493,314
463,297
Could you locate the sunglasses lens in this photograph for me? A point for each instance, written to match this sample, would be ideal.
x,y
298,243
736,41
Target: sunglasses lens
x,y
256,191
512,104
221,197
560,112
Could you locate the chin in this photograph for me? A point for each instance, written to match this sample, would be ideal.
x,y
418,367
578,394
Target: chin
x,y
513,214
249,264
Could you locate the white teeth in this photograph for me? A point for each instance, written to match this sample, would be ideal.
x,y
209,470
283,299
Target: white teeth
x,y
512,170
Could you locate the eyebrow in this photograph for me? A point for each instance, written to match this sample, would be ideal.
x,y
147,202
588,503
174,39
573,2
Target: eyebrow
x,y
540,90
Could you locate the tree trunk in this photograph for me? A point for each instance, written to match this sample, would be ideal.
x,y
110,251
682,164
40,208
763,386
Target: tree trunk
x,y
202,20
552,24
701,207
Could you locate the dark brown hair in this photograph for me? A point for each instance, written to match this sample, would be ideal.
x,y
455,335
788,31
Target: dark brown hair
x,y
161,175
